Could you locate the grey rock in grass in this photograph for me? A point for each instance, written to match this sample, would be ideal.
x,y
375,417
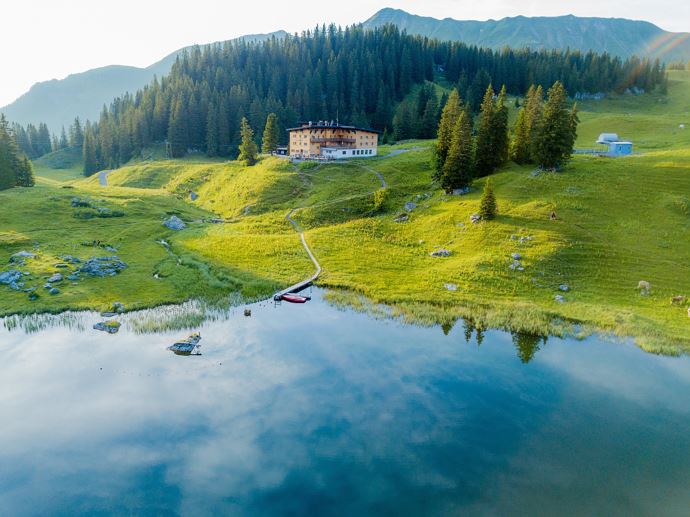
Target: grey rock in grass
x,y
54,291
174,223
451,287
441,253
559,298
10,277
461,191
57,277
118,307
644,285
33,297
409,206
193,196
70,259
516,256
20,257
48,287
475,218
564,287
61,266
402,218
74,277
102,266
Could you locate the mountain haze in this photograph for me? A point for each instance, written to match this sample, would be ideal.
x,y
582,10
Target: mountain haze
x,y
617,36
58,101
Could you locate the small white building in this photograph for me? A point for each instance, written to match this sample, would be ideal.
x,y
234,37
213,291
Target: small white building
x,y
617,147
340,153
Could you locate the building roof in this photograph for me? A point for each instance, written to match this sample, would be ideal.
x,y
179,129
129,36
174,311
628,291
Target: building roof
x,y
330,125
607,138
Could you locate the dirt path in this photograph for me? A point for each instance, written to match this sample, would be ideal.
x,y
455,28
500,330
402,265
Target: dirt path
x,y
103,178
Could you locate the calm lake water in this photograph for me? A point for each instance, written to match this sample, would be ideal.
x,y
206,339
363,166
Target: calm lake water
x,y
311,410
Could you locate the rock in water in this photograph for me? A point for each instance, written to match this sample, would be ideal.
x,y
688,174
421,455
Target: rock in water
x,y
174,223
111,327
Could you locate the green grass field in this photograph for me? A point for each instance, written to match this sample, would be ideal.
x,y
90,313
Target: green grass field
x,y
620,221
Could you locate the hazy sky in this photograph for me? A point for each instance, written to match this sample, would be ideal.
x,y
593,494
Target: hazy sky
x,y
46,39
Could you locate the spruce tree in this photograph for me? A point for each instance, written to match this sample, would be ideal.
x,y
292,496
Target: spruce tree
x,y
554,142
89,153
248,148
534,117
63,143
485,161
76,134
271,135
520,145
487,206
457,170
449,118
25,173
8,156
212,131
499,125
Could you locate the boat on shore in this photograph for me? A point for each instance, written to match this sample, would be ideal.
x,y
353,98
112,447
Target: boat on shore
x,y
294,298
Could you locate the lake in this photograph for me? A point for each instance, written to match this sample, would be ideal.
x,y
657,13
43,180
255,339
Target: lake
x,y
314,410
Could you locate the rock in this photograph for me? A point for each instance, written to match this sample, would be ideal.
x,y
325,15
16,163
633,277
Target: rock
x,y
70,259
33,297
174,223
10,277
402,218
80,203
516,256
461,191
48,286
102,266
110,249
564,288
247,312
118,307
475,218
513,237
20,257
642,284
54,291
61,266
57,277
193,196
409,206
516,265
441,253
451,287
559,298
74,277
677,300
111,327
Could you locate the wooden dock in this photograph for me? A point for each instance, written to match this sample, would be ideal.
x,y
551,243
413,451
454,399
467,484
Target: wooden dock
x,y
299,286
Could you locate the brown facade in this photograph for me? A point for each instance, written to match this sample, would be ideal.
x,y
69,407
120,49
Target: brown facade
x,y
309,140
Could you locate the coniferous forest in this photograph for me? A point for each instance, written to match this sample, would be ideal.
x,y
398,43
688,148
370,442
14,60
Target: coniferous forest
x,y
358,76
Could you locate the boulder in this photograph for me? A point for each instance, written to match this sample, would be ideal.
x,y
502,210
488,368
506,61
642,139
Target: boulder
x,y
559,298
174,223
193,196
73,277
33,297
441,253
644,285
409,206
111,327
57,277
20,257
451,287
54,291
10,277
70,259
677,300
402,218
61,266
516,256
102,266
461,191
475,218
118,307
564,287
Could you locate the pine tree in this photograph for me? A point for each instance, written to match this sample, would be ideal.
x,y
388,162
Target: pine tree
x,y
212,131
457,170
271,134
248,148
449,118
76,134
534,117
554,142
25,173
485,161
8,156
89,155
63,143
499,125
487,206
520,145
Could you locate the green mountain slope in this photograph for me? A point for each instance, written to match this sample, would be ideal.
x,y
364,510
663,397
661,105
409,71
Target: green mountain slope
x,y
616,36
57,102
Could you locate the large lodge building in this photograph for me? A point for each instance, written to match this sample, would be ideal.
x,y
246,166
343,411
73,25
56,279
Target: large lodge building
x,y
332,141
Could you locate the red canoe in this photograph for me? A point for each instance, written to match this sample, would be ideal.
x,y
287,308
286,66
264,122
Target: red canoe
x,y
295,298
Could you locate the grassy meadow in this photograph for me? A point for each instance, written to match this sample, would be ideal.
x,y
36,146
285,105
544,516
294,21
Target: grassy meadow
x,y
619,221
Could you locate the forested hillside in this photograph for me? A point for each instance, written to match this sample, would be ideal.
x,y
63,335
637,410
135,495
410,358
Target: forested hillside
x,y
354,74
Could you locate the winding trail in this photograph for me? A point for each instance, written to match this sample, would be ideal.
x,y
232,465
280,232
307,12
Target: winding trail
x,y
103,178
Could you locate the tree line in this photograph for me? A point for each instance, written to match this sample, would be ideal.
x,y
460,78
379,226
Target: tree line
x,y
351,74
36,141
469,148
15,167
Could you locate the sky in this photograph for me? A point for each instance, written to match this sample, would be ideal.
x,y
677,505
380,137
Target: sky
x,y
50,39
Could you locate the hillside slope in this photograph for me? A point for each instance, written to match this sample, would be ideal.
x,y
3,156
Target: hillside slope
x,y
616,36
58,101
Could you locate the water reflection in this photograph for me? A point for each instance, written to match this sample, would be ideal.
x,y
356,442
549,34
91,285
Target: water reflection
x,y
314,410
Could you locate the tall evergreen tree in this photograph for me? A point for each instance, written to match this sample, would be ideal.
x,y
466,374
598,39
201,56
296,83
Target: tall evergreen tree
x,y
485,158
554,143
89,155
8,156
499,125
457,169
271,135
63,143
449,118
25,173
76,134
248,148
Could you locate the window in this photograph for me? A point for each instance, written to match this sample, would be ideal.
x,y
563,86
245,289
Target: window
x,y
344,152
